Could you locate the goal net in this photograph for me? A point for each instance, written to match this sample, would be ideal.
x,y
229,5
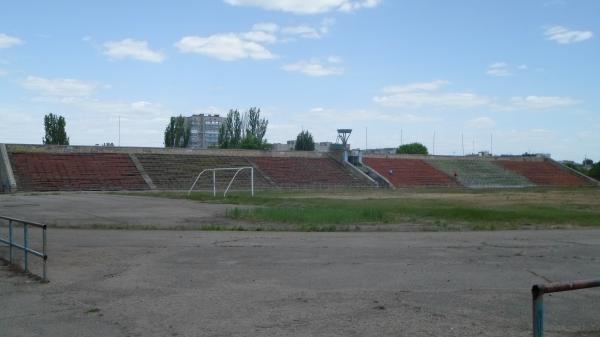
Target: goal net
x,y
226,179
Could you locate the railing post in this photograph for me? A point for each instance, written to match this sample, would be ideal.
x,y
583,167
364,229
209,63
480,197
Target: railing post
x,y
538,311
45,257
26,245
10,240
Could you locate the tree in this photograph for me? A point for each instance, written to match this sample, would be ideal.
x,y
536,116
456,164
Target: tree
x,y
245,132
595,171
304,142
54,127
412,148
177,133
587,162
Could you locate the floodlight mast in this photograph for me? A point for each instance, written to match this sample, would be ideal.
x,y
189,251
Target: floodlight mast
x,y
343,136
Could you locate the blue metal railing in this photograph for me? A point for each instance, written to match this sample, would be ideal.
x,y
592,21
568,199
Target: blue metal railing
x,y
538,291
25,247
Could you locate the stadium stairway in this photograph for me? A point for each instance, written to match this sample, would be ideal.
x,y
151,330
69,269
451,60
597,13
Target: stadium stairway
x,y
178,171
75,172
402,172
313,172
545,173
479,173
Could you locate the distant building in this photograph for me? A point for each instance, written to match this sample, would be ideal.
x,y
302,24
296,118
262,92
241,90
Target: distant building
x,y
290,145
385,150
204,131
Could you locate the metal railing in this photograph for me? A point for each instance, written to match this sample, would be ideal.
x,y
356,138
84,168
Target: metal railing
x,y
538,291
25,247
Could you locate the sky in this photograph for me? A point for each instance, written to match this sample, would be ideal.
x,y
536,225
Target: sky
x,y
507,76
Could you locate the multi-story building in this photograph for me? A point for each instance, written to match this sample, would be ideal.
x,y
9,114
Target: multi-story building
x,y
204,131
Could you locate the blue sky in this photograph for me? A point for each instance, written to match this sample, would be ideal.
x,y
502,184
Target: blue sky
x,y
523,73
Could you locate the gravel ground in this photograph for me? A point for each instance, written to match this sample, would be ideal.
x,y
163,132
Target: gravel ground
x,y
191,283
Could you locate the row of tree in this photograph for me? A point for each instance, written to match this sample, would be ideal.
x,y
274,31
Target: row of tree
x,y
245,131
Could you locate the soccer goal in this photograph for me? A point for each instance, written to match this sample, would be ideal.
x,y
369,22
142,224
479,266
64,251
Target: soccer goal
x,y
214,171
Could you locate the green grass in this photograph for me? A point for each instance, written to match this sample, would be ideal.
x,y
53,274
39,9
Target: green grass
x,y
331,212
436,209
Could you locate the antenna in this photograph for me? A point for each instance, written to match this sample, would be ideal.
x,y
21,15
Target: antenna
x,y
401,138
434,142
462,141
491,143
119,130
366,136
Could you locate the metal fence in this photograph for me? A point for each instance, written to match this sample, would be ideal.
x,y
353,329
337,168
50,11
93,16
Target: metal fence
x,y
538,291
25,247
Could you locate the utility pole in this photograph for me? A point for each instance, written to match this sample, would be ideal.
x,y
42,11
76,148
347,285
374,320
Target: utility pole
x,y
462,142
366,136
119,131
401,138
434,142
491,144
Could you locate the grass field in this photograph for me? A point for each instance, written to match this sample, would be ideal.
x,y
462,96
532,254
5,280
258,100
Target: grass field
x,y
432,209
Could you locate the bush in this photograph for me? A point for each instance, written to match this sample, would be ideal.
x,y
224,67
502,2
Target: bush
x,y
412,148
595,171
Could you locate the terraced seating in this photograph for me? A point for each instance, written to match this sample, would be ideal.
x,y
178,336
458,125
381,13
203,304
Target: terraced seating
x,y
308,172
75,172
477,173
178,172
544,173
409,172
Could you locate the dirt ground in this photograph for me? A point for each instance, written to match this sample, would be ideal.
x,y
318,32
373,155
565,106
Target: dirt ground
x,y
110,211
193,283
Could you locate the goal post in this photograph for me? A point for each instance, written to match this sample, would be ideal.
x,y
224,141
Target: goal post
x,y
214,178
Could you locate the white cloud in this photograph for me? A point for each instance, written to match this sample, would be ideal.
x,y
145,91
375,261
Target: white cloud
x,y
316,67
251,44
129,48
63,87
307,6
564,35
7,41
418,95
226,47
3,72
504,69
329,116
481,123
540,102
499,69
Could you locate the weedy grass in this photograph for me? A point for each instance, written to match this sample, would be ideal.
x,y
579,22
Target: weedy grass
x,y
439,209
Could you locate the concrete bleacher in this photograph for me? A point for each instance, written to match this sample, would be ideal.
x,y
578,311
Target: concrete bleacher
x,y
75,172
309,172
87,168
178,171
479,173
544,173
403,172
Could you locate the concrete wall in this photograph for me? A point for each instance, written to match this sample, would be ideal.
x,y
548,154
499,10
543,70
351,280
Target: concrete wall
x,y
431,157
158,150
7,178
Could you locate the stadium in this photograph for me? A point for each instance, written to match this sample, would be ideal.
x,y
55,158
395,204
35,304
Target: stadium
x,y
296,168
137,221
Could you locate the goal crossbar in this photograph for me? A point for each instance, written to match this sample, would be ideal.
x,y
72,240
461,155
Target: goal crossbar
x,y
214,171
